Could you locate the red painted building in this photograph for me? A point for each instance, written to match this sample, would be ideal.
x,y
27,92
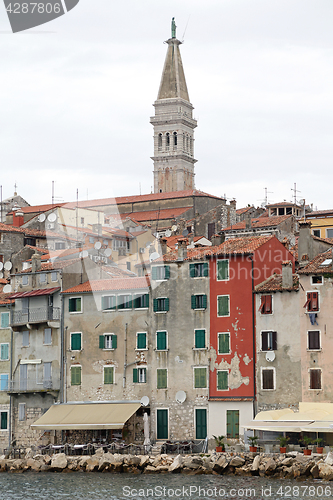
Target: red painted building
x,y
237,266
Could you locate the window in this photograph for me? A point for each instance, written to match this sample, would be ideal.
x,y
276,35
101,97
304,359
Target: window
x,y
25,279
222,269
139,375
200,339
141,301
47,375
175,138
5,320
22,411
199,301
106,242
42,278
160,273
201,423
4,381
312,302
268,341
25,338
109,302
59,245
161,304
329,233
267,379
108,341
162,378
75,304
4,420
313,340
76,375
160,142
108,374
199,270
266,304
141,340
232,424
47,336
224,343
316,232
91,239
76,341
161,341
162,427
222,380
82,221
200,378
128,266
4,352
124,302
315,378
223,305
54,276
316,280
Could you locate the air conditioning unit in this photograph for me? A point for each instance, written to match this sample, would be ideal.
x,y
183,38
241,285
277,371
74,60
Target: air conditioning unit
x,y
141,250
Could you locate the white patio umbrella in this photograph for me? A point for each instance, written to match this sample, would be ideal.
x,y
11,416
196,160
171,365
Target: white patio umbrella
x,y
146,430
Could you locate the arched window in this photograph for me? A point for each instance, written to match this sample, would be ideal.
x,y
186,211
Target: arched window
x,y
159,142
167,140
187,144
191,146
175,139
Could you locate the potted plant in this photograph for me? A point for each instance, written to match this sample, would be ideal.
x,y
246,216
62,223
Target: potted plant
x,y
320,449
283,440
219,443
307,441
253,443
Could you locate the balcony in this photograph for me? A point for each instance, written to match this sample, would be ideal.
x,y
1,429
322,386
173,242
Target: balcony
x,y
27,385
35,315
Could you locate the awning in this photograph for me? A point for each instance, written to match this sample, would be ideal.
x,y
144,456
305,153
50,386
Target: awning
x,y
34,293
87,416
278,426
319,426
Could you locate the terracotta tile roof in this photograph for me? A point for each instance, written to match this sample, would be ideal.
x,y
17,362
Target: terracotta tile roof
x,y
117,272
34,293
7,228
3,281
38,249
241,211
39,208
111,284
315,267
282,204
325,240
4,300
163,214
49,266
274,284
259,222
318,213
172,240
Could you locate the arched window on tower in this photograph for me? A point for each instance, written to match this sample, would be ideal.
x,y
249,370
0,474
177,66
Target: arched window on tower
x,y
175,140
184,142
160,142
167,141
191,146
187,144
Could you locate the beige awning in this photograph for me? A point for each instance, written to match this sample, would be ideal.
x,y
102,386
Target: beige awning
x,y
87,416
277,426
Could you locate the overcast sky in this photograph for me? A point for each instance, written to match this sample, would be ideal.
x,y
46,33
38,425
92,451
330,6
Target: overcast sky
x,y
77,93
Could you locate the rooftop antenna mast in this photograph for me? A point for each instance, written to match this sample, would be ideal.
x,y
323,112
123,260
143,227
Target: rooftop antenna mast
x,y
183,37
295,191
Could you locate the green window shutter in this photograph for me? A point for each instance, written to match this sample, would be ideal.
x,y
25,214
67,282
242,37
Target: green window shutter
x,y
137,302
192,270
222,269
76,375
223,305
146,300
101,341
204,301
141,341
205,269
162,424
166,272
78,304
4,420
166,304
76,342
201,423
200,378
5,320
222,380
161,340
104,303
155,306
193,301
224,343
108,374
161,378
135,375
154,273
71,305
114,341
200,339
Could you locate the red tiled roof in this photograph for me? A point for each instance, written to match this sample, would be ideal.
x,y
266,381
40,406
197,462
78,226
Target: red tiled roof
x,y
10,229
49,266
4,300
241,211
148,215
274,284
3,281
111,284
34,293
275,220
117,272
39,208
315,267
282,204
319,213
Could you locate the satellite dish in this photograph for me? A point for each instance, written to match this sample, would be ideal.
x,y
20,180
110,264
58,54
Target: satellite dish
x,y
7,288
80,255
41,217
185,232
1,265
144,401
52,217
84,254
174,228
98,245
147,244
1,274
181,396
154,256
270,356
168,233
108,252
8,265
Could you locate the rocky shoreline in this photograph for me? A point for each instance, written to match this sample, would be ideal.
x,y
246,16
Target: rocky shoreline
x,y
291,465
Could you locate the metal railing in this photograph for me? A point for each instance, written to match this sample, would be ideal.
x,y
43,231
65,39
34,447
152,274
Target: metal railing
x,y
35,315
27,385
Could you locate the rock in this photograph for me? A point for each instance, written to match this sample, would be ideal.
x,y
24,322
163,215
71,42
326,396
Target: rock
x,y
99,452
237,462
176,464
255,466
34,465
106,460
149,470
305,469
287,462
29,453
243,471
83,461
47,459
162,468
92,463
190,463
45,468
220,465
144,461
118,466
132,460
270,465
59,462
325,471
315,472
329,458
18,464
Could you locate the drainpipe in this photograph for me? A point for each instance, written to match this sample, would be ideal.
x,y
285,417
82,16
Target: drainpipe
x,y
62,350
10,385
125,356
253,339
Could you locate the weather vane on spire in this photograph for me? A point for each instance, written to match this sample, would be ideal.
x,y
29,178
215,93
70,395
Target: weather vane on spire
x,y
173,28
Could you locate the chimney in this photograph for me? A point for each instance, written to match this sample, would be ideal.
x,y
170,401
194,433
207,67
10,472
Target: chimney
x,y
233,204
182,248
163,243
18,217
305,242
287,274
247,222
36,263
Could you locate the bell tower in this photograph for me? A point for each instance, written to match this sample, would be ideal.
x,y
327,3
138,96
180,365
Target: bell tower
x,y
173,126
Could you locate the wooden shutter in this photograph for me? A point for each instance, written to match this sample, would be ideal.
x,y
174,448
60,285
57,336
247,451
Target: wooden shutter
x,y
264,341
224,343
146,300
161,378
76,375
161,340
141,341
200,378
268,304
166,304
222,380
201,423
205,269
262,304
162,424
274,341
76,342
155,305
114,341
193,302
223,305
192,270
200,339
314,301
108,374
166,272
222,269
4,420
315,379
154,273
71,305
101,342
308,301
105,303
135,375
4,351
267,379
204,301
5,320
233,424
314,340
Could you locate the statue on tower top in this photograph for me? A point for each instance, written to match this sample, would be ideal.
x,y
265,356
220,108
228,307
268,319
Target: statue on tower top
x,y
173,28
